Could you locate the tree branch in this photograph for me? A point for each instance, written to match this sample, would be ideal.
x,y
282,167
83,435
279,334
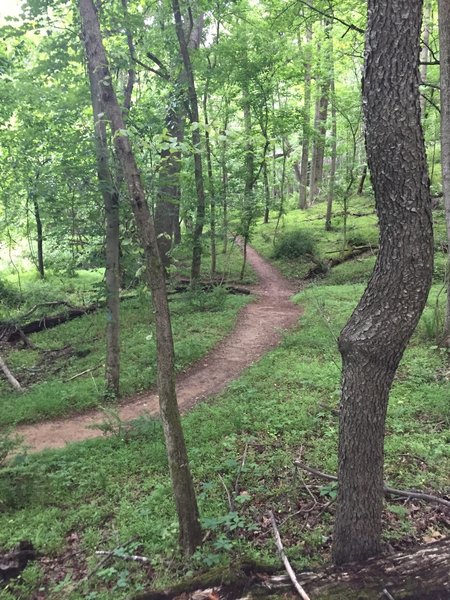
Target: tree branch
x,y
387,489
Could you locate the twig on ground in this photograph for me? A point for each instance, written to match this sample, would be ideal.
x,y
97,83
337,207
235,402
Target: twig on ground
x,y
241,466
84,372
101,563
285,560
387,489
230,502
133,557
387,594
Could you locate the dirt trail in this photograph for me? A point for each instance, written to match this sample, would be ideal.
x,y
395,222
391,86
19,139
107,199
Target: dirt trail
x,y
258,329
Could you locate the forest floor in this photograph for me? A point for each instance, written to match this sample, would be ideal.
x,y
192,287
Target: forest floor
x,y
259,328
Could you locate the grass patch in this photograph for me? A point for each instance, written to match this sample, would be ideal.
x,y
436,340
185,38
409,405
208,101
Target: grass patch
x,y
79,345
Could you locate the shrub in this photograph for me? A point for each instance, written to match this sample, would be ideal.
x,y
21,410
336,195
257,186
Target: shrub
x,y
294,244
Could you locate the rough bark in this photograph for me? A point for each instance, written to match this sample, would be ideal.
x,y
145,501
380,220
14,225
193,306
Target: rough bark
x,y
444,47
110,196
303,194
196,143
374,339
183,489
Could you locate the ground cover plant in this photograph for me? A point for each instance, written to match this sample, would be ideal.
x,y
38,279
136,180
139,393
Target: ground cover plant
x,y
114,493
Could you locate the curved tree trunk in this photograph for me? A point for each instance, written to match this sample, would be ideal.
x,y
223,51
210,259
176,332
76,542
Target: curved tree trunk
x,y
183,488
374,339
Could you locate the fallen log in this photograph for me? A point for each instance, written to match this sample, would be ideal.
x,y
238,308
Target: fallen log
x,y
12,563
420,574
323,267
13,332
184,285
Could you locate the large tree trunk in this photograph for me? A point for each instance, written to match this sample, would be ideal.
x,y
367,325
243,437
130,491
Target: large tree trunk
x,y
444,46
374,339
303,194
110,196
196,143
185,500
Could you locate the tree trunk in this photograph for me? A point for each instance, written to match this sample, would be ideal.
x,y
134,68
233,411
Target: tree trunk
x,y
444,47
40,237
183,488
212,196
332,180
320,122
196,143
266,193
303,194
425,53
247,208
362,181
375,337
169,194
110,196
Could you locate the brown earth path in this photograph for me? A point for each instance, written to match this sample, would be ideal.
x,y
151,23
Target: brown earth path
x,y
259,328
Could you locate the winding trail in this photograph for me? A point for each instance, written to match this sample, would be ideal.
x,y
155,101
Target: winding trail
x,y
259,328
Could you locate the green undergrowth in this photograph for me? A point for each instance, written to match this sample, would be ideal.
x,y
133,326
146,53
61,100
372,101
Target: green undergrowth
x,y
110,492
361,231
321,246
77,348
228,263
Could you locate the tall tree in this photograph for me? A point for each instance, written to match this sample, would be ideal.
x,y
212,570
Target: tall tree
x,y
183,488
110,196
375,337
444,48
303,194
196,142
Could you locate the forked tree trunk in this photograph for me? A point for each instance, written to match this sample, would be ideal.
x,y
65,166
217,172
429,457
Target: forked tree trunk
x,y
196,143
444,46
110,196
183,489
374,339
